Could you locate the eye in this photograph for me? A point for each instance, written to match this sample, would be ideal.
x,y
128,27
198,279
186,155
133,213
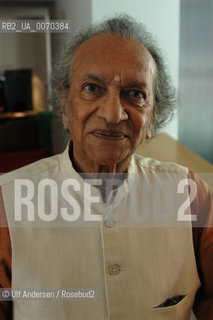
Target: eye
x,y
91,91
92,88
134,97
135,94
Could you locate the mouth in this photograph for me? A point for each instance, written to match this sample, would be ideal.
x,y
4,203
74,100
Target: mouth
x,y
108,134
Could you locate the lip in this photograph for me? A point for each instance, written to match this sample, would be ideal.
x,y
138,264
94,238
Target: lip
x,y
109,134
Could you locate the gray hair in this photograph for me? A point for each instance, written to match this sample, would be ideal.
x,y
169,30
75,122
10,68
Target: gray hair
x,y
125,27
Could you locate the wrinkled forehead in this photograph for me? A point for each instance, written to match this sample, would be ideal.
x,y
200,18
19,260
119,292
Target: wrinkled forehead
x,y
115,56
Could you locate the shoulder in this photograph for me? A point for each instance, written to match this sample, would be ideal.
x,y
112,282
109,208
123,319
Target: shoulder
x,y
143,163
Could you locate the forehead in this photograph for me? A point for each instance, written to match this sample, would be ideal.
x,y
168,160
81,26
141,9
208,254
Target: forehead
x,y
110,55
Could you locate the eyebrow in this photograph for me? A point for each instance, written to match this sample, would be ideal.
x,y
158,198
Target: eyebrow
x,y
92,76
136,84
130,84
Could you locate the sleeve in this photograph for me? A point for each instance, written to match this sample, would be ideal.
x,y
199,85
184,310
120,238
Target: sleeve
x,y
5,262
202,207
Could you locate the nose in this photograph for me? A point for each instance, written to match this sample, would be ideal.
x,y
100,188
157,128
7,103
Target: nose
x,y
111,109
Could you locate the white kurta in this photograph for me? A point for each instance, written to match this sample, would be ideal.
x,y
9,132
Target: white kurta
x,y
136,258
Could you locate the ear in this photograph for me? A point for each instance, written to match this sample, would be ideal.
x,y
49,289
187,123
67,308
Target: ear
x,y
149,130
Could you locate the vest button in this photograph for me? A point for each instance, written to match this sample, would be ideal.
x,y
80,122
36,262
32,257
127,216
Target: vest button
x,y
114,269
109,223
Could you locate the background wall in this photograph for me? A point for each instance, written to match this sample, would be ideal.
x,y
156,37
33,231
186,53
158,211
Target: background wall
x,y
196,77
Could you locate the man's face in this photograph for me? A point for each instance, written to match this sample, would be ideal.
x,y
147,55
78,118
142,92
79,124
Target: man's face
x,y
110,102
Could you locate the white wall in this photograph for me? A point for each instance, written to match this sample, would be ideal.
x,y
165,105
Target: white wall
x,y
196,77
162,19
78,12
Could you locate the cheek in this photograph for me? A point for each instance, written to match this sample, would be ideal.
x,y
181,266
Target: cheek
x,y
80,117
73,119
139,122
140,126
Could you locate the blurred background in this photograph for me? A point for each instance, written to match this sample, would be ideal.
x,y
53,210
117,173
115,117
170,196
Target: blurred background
x,y
29,128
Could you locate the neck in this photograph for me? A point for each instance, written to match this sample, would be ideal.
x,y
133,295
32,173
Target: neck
x,y
98,170
111,175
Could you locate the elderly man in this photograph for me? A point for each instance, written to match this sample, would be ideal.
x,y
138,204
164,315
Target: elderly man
x,y
98,217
